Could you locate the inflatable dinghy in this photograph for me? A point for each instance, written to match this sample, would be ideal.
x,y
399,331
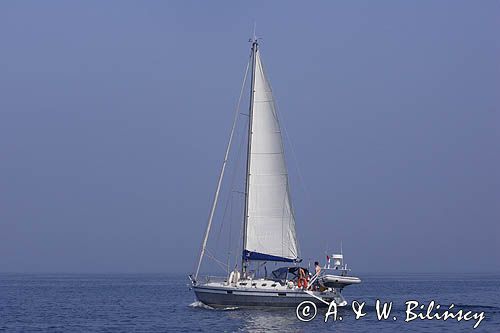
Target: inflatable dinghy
x,y
337,281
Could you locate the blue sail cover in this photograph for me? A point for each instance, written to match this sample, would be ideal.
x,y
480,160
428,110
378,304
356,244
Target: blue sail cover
x,y
247,255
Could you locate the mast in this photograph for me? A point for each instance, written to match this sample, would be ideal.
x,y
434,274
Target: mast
x,y
255,45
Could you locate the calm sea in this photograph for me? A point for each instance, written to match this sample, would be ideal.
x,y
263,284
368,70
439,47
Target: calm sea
x,y
164,303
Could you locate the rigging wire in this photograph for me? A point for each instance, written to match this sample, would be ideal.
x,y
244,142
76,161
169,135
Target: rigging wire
x,y
214,204
233,178
229,202
221,264
233,181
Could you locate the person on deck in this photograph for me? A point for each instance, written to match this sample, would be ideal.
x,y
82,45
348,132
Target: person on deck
x,y
302,273
302,280
317,267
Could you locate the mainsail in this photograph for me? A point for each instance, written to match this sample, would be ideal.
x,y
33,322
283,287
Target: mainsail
x,y
270,225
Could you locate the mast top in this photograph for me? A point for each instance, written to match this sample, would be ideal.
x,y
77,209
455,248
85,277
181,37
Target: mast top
x,y
254,39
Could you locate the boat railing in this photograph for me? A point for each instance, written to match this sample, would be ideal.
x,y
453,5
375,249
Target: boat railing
x,y
316,276
212,278
313,279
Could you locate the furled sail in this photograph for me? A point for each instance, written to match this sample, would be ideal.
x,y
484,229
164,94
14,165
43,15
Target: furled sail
x,y
270,229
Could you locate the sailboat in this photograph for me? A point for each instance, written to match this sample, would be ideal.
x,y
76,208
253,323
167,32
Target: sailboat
x,y
269,234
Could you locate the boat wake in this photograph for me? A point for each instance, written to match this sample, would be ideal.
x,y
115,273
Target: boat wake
x,y
198,304
230,308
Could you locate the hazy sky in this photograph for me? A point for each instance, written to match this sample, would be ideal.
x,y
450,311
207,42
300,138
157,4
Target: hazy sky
x,y
114,117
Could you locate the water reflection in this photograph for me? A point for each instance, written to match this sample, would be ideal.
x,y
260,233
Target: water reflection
x,y
283,320
260,320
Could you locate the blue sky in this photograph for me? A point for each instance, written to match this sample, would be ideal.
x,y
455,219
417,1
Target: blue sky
x,y
114,116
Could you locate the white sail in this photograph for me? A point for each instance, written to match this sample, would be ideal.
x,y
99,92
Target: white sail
x,y
270,230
